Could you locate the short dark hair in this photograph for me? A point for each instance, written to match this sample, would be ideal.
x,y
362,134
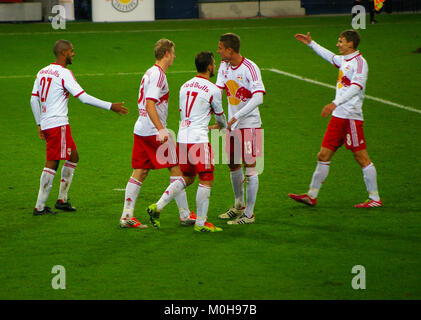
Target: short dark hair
x,y
231,40
351,35
61,45
203,60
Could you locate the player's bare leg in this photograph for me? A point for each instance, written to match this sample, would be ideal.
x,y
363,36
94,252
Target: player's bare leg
x,y
134,184
319,176
252,179
370,179
67,171
46,183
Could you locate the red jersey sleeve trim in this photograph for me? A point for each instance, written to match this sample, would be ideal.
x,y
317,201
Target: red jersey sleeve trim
x,y
264,92
83,91
153,99
35,94
333,61
219,114
220,87
357,84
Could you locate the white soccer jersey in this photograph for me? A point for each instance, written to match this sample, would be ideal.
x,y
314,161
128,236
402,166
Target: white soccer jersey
x,y
199,98
52,86
240,83
353,69
154,86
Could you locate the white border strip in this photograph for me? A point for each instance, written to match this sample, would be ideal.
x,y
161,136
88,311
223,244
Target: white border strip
x,y
390,103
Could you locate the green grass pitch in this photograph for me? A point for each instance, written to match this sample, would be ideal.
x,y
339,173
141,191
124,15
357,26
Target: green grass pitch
x,y
292,251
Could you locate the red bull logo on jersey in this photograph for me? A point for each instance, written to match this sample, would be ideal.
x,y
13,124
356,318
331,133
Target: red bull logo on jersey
x,y
125,5
235,93
343,81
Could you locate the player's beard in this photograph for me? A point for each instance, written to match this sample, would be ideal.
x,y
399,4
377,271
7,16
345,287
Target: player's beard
x,y
68,60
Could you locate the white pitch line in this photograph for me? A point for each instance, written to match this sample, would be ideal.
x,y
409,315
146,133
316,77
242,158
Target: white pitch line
x,y
96,74
299,26
397,105
119,189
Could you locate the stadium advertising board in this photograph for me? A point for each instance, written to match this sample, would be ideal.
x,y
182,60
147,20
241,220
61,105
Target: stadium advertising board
x,y
123,10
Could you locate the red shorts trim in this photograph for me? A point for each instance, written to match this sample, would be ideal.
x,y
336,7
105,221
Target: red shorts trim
x,y
60,143
244,145
149,153
196,158
348,131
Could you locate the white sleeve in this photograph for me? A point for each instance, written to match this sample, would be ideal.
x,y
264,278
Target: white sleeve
x,y
71,85
35,109
256,81
253,103
326,54
220,82
153,89
88,99
351,92
35,103
360,75
216,102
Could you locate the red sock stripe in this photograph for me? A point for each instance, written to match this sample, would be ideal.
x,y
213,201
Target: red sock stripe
x,y
70,165
131,180
203,186
49,171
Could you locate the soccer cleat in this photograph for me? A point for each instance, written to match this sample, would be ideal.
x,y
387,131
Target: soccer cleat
x,y
131,223
243,219
154,215
231,213
46,210
66,206
303,198
208,227
189,221
369,204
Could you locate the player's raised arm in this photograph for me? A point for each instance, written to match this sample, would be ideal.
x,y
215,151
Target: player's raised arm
x,y
306,39
321,51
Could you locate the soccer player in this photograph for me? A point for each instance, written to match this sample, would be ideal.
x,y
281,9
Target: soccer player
x,y
51,90
242,81
346,123
199,98
153,147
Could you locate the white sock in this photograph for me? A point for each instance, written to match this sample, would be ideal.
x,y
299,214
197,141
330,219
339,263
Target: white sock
x,y
237,181
319,176
252,187
370,179
46,182
181,200
202,204
66,179
172,190
130,197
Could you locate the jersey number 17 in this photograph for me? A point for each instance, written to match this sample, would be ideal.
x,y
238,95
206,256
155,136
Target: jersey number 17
x,y
194,96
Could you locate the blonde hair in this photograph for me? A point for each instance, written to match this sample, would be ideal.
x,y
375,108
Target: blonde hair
x,y
161,47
